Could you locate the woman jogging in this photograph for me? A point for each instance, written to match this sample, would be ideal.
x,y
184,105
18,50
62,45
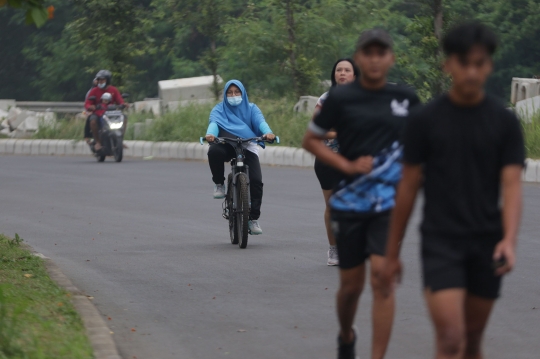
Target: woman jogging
x,y
343,72
235,117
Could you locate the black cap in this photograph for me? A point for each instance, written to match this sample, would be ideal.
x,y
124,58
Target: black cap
x,y
374,36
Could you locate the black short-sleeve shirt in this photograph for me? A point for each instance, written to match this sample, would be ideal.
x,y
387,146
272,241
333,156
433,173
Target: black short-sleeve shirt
x,y
463,150
366,121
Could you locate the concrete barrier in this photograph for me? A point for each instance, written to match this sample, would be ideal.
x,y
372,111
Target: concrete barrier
x,y
272,155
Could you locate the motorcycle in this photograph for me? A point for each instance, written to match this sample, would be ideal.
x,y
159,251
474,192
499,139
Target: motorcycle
x,y
111,132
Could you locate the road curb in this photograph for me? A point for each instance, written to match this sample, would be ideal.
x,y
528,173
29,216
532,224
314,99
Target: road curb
x,y
272,155
97,330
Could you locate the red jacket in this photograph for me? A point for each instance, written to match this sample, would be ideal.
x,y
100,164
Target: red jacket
x,y
97,92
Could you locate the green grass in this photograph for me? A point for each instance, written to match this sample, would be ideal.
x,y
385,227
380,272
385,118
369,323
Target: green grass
x,y
37,318
189,123
532,136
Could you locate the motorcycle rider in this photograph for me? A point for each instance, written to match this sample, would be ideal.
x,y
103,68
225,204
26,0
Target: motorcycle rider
x,y
93,122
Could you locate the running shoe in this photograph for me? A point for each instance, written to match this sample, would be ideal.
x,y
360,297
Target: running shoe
x,y
347,351
219,191
333,259
254,227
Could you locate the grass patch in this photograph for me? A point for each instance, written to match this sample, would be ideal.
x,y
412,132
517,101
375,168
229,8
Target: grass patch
x,y
531,132
37,318
189,123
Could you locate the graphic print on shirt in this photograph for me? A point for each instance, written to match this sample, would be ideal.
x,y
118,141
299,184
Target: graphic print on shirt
x,y
375,191
400,109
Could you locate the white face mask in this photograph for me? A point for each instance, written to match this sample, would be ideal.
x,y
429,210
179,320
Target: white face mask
x,y
102,86
235,100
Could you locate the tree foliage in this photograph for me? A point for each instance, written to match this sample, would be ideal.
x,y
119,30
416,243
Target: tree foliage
x,y
277,48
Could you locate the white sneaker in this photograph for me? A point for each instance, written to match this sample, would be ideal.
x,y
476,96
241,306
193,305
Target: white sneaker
x,y
219,191
254,227
333,259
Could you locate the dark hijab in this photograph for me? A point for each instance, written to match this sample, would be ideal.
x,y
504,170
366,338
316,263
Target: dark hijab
x,y
333,76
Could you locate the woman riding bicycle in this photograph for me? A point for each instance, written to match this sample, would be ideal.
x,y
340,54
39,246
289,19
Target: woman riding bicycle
x,y
236,117
343,72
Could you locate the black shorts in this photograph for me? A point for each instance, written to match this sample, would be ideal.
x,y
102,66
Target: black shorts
x,y
358,238
460,263
328,176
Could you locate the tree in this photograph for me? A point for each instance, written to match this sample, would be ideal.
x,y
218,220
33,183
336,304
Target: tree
x,y
112,34
203,20
36,13
282,47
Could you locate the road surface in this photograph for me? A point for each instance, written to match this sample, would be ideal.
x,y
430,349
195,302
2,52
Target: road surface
x,y
147,241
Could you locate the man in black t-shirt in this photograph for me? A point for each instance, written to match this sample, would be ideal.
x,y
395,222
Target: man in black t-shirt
x,y
368,116
468,148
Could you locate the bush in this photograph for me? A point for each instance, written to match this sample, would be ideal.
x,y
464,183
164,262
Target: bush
x,y
532,136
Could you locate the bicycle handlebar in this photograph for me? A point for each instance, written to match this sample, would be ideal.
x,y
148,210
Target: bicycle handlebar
x,y
236,140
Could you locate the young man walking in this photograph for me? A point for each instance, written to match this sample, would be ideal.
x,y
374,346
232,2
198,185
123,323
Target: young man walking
x,y
368,116
467,151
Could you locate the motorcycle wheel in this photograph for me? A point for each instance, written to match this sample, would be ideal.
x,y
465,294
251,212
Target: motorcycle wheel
x,y
118,149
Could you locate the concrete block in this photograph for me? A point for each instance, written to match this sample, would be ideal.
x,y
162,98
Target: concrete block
x,y
2,147
51,149
61,147
78,148
262,154
155,149
6,105
34,147
128,152
10,146
70,147
182,150
18,147
268,155
531,172
173,150
201,152
147,148
298,157
190,150
27,147
279,156
288,156
161,150
308,159
43,147
306,104
138,149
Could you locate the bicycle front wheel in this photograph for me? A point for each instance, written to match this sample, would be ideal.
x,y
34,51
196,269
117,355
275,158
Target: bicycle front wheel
x,y
232,216
242,210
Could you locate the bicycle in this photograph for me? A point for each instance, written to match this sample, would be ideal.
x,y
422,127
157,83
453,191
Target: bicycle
x,y
237,203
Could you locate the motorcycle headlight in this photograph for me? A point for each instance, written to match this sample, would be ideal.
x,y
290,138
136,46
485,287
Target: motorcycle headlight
x,y
115,125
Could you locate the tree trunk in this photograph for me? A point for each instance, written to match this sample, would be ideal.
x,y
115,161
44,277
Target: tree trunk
x,y
214,68
292,46
438,31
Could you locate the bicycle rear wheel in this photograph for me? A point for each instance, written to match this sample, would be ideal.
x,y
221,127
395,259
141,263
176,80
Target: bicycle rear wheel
x,y
232,216
242,210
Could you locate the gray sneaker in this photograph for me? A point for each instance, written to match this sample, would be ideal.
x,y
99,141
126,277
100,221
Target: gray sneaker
x,y
254,227
219,191
333,259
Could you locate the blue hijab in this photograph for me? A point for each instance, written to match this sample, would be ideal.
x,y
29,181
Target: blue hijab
x,y
243,120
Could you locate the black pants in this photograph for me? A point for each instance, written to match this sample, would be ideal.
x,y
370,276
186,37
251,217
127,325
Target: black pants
x,y
87,129
218,154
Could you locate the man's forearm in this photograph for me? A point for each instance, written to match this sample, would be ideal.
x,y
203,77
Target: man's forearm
x,y
325,154
512,201
405,198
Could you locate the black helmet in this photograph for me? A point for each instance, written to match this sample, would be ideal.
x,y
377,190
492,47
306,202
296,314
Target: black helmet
x,y
104,74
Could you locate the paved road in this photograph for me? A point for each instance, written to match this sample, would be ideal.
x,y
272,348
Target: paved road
x,y
147,241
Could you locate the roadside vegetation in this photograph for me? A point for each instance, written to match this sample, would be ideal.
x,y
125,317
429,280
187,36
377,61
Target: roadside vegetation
x,y
37,319
532,136
189,123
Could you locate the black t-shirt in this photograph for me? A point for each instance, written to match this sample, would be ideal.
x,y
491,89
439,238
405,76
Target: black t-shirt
x,y
366,121
463,150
